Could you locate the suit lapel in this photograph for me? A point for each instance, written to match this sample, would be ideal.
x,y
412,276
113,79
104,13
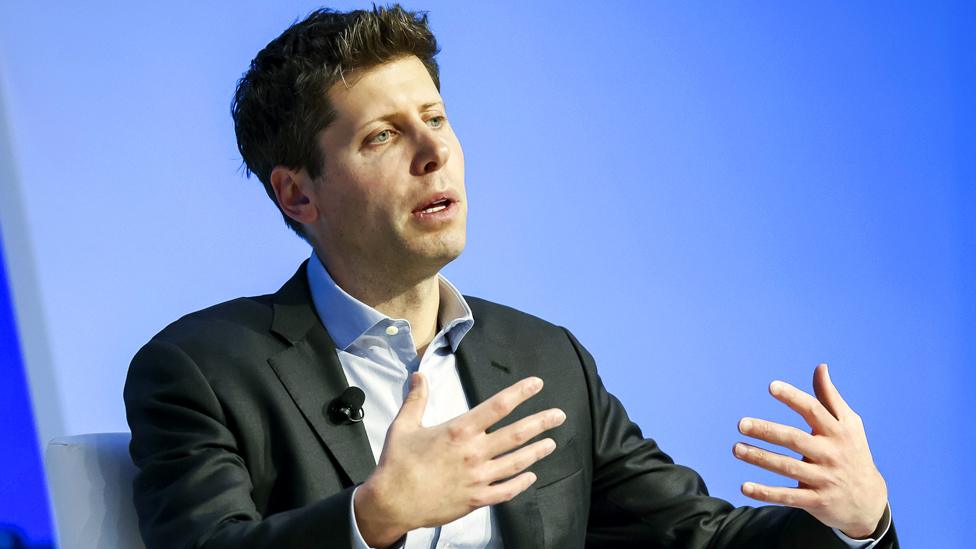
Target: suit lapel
x,y
486,367
311,373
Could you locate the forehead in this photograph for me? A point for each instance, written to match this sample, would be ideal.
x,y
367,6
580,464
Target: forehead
x,y
400,85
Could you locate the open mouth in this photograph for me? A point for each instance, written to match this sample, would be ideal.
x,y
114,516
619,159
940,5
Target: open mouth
x,y
436,206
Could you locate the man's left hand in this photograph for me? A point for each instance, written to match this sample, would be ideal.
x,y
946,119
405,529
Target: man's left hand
x,y
838,482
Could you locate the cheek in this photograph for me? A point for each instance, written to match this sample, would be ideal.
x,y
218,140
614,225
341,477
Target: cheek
x,y
341,200
342,181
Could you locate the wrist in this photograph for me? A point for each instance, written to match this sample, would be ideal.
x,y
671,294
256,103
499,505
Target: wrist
x,y
376,518
870,530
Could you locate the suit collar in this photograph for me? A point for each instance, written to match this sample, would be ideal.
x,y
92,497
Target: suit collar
x,y
293,314
311,373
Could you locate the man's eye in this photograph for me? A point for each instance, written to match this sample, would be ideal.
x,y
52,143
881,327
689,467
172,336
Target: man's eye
x,y
436,121
382,137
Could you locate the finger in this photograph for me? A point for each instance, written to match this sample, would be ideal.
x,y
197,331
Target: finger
x,y
777,463
786,436
806,405
489,412
828,394
503,491
523,430
412,410
803,498
513,463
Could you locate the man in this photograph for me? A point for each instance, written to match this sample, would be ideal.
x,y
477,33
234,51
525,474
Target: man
x,y
483,426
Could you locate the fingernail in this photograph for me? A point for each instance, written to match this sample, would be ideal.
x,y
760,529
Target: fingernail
x,y
748,489
739,449
745,425
550,446
775,387
558,417
535,384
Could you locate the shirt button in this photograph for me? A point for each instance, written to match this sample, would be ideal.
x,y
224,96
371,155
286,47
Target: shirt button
x,y
392,330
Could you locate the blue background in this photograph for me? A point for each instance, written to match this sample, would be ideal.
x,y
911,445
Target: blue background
x,y
709,196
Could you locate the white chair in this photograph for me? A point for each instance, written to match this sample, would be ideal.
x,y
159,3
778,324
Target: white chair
x,y
90,479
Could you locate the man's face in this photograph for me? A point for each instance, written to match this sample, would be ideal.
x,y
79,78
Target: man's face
x,y
391,195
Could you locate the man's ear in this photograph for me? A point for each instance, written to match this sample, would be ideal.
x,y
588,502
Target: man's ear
x,y
293,190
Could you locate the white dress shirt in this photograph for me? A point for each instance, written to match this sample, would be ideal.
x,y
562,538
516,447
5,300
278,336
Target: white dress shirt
x,y
378,355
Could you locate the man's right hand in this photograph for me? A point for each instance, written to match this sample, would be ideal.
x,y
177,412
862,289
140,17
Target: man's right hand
x,y
430,476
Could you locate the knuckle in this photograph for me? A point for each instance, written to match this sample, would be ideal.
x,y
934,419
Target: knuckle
x,y
499,407
792,469
517,466
470,458
820,503
457,431
522,435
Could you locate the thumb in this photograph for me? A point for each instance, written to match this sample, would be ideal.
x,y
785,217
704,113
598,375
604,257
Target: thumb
x,y
414,404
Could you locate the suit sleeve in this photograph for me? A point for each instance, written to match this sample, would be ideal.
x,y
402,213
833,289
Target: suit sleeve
x,y
641,498
193,489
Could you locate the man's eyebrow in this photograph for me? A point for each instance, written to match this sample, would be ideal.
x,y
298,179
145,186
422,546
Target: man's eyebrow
x,y
392,115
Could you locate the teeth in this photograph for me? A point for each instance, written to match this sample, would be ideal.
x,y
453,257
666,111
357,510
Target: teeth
x,y
434,209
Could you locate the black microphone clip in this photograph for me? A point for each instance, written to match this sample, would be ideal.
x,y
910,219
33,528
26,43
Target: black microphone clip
x,y
347,408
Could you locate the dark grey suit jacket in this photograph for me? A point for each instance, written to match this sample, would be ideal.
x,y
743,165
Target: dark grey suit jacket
x,y
230,432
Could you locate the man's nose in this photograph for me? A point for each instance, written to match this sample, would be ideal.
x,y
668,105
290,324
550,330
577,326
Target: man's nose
x,y
432,152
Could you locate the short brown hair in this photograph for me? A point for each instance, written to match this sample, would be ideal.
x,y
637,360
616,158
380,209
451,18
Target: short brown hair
x,y
280,104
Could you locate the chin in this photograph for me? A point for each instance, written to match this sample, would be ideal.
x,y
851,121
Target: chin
x,y
447,254
438,254
453,245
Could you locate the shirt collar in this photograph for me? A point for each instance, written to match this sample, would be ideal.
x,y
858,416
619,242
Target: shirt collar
x,y
347,319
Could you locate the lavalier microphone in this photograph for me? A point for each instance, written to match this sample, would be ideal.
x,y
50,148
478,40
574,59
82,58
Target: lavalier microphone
x,y
348,407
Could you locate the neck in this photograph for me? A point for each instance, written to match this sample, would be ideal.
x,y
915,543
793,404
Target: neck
x,y
395,294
